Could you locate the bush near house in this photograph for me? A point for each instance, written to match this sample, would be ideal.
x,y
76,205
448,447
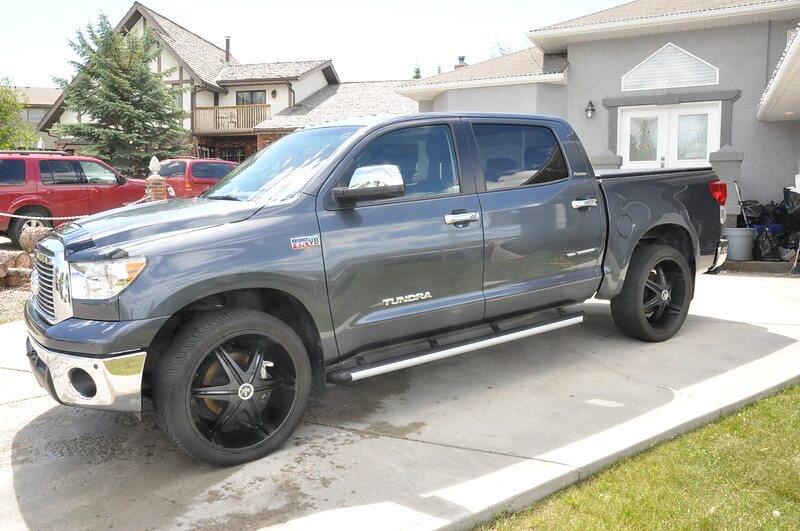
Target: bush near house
x,y
134,115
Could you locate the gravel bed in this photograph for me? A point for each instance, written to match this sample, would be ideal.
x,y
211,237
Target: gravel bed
x,y
12,302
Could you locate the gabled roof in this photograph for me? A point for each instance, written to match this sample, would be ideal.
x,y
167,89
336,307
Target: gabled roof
x,y
337,102
655,16
38,96
203,59
524,66
274,71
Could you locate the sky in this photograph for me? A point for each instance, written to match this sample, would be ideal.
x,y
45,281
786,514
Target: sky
x,y
367,40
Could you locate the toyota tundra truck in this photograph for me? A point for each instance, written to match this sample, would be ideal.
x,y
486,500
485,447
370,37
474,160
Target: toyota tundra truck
x,y
351,250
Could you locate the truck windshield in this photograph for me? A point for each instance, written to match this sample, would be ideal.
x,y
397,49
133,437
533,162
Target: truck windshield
x,y
278,172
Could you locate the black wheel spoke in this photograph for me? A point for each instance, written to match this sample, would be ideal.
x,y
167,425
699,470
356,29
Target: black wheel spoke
x,y
674,309
254,371
229,365
270,384
221,392
227,414
653,286
652,303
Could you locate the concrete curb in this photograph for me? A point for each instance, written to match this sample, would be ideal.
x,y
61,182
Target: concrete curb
x,y
693,397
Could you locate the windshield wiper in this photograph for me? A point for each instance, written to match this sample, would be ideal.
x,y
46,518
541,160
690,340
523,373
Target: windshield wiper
x,y
224,197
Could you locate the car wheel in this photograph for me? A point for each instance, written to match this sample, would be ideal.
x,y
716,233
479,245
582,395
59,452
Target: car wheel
x,y
18,225
655,297
232,386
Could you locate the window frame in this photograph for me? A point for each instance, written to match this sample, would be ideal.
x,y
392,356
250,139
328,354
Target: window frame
x,y
550,126
52,180
345,166
251,92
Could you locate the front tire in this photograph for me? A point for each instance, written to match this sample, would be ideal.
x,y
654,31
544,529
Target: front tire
x,y
18,225
655,297
232,386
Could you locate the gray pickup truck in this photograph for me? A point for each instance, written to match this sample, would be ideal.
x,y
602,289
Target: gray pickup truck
x,y
351,250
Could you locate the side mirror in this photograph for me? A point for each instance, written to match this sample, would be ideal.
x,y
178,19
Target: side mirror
x,y
121,179
370,183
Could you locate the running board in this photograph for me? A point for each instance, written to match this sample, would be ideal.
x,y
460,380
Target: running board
x,y
343,376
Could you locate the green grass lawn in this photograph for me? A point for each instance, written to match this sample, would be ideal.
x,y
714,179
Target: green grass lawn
x,y
742,472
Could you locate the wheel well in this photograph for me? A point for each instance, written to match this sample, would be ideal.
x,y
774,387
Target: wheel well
x,y
277,303
29,208
673,236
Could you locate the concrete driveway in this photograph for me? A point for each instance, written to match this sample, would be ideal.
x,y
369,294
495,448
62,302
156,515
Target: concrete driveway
x,y
442,445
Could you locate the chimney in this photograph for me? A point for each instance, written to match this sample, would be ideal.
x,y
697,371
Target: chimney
x,y
227,49
462,62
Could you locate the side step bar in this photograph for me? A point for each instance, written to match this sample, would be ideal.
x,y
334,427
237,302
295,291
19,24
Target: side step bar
x,y
354,374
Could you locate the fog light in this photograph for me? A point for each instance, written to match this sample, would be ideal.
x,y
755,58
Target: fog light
x,y
82,383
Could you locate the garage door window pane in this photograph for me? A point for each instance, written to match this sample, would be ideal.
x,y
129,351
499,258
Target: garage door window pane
x,y
643,139
693,137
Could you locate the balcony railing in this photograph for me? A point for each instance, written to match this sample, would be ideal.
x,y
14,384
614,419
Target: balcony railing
x,y
229,118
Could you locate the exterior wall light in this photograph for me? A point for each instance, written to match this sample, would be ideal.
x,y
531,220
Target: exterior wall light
x,y
589,109
274,94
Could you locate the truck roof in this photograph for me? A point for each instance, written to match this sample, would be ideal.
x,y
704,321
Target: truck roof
x,y
382,119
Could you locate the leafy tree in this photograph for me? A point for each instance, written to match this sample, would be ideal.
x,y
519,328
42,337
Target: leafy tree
x,y
129,113
417,72
14,131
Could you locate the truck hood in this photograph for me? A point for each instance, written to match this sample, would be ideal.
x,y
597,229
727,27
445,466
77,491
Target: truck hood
x,y
112,229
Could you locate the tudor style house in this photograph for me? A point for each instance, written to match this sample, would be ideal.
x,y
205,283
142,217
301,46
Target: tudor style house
x,y
231,105
657,84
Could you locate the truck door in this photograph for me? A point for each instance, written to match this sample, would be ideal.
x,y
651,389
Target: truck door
x,y
543,219
404,267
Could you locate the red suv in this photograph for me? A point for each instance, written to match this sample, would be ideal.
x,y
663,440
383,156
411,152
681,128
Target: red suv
x,y
191,177
55,184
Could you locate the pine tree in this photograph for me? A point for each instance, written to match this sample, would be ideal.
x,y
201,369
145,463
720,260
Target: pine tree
x,y
417,72
14,132
129,114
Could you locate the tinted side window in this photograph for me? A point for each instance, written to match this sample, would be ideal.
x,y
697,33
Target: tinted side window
x,y
519,155
59,172
210,170
424,155
173,168
12,172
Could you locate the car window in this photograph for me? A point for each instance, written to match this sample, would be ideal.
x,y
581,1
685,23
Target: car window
x,y
12,172
172,168
210,170
424,155
59,172
519,155
97,173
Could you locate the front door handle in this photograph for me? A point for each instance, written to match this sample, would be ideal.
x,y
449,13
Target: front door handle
x,y
584,203
461,218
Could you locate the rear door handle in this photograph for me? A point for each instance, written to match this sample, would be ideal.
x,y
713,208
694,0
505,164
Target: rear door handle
x,y
584,203
461,218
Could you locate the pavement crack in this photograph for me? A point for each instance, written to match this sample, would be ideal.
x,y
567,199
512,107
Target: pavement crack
x,y
631,378
15,370
441,445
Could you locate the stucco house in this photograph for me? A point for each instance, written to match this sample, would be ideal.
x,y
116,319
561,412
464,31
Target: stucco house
x,y
37,101
231,105
657,83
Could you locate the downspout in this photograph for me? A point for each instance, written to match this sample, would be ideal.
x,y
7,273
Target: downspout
x,y
291,93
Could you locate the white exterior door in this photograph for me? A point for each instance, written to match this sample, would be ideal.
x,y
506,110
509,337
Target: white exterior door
x,y
668,136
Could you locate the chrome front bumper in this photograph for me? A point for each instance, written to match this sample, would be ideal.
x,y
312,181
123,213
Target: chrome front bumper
x,y
112,383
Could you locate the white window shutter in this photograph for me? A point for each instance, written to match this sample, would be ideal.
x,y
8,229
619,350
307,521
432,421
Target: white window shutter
x,y
670,67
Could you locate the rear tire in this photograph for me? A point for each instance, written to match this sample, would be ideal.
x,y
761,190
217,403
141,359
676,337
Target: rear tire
x,y
655,297
18,225
232,386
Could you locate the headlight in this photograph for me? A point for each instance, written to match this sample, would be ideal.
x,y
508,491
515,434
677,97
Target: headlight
x,y
103,280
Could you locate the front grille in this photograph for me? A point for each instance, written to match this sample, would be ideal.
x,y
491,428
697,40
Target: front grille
x,y
45,293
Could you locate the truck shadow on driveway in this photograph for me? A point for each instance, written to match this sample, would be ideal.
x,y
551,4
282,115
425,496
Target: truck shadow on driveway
x,y
389,440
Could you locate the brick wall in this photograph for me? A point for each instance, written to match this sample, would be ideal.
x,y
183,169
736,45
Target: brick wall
x,y
265,139
216,143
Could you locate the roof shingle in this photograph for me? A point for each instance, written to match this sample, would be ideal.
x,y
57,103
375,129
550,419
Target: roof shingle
x,y
282,70
527,62
345,100
651,9
38,96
